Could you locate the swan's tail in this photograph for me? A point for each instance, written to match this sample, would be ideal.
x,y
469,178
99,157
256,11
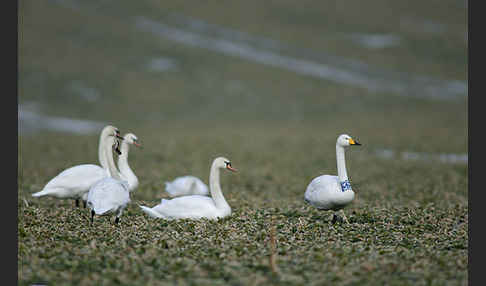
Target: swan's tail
x,y
41,193
150,212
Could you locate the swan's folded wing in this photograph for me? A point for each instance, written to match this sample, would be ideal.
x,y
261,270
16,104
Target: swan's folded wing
x,y
186,207
81,176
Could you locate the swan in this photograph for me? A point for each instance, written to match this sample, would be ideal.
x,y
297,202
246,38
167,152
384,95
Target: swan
x,y
329,192
75,181
186,185
197,206
109,195
126,172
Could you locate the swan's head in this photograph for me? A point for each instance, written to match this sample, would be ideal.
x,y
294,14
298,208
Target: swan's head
x,y
345,140
112,134
222,162
130,138
110,130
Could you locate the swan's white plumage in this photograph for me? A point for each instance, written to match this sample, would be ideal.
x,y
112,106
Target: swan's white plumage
x,y
191,207
196,206
73,182
76,181
108,195
324,192
186,185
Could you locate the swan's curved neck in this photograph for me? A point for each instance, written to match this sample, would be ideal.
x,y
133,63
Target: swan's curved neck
x,y
125,169
109,158
341,168
215,188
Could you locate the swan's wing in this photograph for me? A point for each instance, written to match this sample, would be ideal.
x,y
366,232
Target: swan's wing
x,y
74,181
108,195
194,206
320,189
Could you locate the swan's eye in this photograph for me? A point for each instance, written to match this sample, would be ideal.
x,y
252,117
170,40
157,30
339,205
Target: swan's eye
x,y
227,163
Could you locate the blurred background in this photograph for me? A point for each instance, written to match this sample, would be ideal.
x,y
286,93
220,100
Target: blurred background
x,y
263,81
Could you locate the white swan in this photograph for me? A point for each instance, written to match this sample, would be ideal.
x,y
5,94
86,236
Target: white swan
x,y
75,182
328,192
186,185
126,172
197,206
109,195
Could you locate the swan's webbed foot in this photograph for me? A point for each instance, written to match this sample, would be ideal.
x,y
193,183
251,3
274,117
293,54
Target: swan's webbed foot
x,y
117,219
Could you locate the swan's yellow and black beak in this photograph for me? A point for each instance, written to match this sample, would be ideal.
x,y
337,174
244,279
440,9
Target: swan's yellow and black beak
x,y
353,142
229,167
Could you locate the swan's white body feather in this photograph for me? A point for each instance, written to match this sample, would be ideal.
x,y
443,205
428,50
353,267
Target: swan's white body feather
x,y
185,186
108,195
190,207
73,182
324,192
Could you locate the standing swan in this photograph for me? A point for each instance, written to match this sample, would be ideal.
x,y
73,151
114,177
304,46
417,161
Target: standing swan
x,y
197,206
328,192
75,182
110,194
186,185
126,172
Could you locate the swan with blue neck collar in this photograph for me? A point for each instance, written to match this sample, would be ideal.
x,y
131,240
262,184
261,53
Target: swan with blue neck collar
x,y
328,192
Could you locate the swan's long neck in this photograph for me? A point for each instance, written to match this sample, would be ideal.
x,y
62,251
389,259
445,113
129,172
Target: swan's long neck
x,y
341,168
215,188
109,158
101,151
125,169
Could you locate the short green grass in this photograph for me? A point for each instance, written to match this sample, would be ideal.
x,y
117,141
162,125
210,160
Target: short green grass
x,y
408,223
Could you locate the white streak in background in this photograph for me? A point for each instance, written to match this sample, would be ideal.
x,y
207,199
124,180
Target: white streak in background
x,y
343,71
422,156
80,89
30,121
162,64
375,41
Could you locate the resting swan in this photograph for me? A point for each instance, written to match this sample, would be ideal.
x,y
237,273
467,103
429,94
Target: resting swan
x,y
197,206
328,192
186,185
126,172
110,194
74,182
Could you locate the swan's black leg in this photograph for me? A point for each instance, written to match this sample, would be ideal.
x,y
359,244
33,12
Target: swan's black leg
x,y
84,204
117,219
92,216
76,202
334,219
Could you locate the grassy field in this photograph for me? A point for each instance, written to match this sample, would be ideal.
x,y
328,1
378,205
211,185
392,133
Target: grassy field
x,y
89,60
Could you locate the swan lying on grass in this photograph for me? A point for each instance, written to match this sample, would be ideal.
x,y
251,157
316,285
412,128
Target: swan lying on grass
x,y
186,185
329,192
197,206
75,182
